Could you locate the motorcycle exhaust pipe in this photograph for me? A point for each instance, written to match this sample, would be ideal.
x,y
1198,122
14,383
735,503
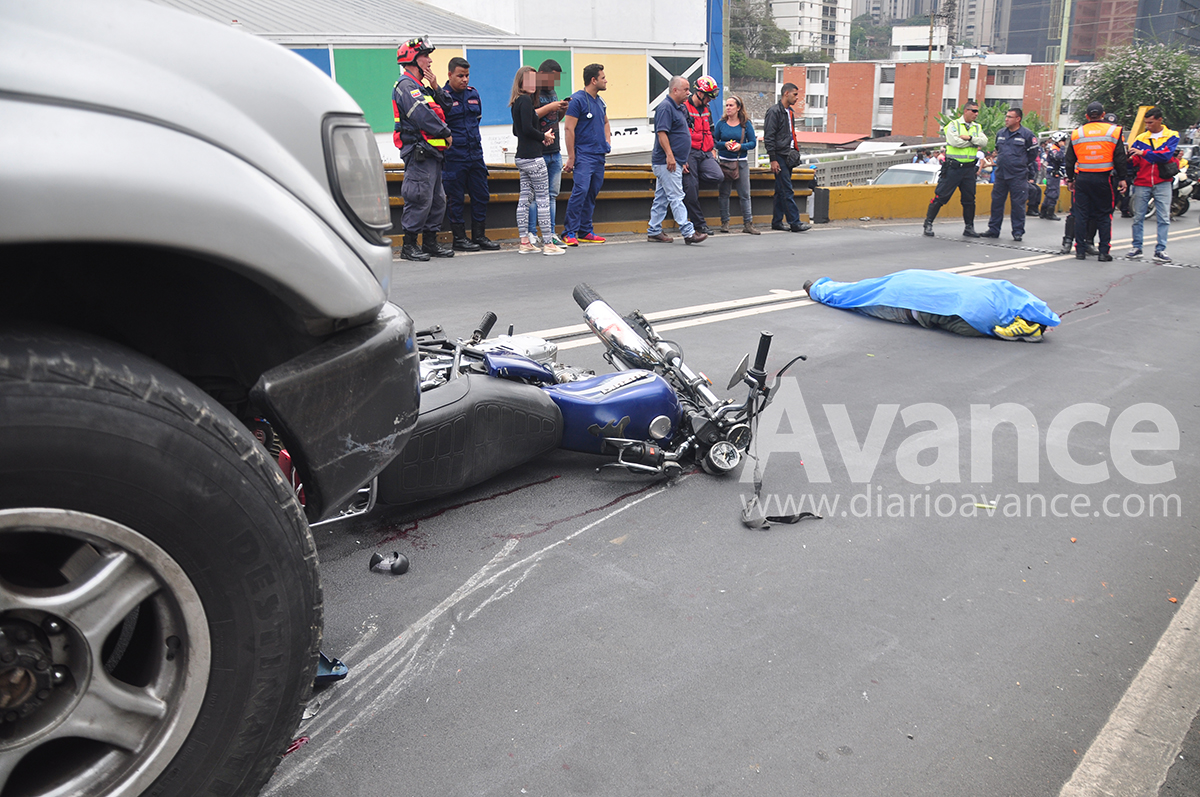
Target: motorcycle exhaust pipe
x,y
621,339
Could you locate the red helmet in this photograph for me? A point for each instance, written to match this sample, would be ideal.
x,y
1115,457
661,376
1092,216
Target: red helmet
x,y
408,52
706,85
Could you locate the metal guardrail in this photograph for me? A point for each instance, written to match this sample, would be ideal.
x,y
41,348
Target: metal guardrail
x,y
858,168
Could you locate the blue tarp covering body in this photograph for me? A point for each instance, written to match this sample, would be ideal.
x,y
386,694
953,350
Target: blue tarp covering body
x,y
982,303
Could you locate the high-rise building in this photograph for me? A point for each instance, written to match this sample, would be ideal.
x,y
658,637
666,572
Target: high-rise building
x,y
822,25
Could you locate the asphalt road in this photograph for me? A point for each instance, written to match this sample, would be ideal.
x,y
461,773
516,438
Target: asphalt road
x,y
562,632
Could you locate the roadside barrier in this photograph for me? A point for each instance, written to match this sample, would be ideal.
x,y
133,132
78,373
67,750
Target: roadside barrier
x,y
622,206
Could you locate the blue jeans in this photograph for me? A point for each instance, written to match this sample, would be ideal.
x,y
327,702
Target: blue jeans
x,y
785,198
587,178
554,169
1162,212
668,193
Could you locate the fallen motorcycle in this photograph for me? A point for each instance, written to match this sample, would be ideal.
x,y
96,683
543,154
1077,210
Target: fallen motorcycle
x,y
491,404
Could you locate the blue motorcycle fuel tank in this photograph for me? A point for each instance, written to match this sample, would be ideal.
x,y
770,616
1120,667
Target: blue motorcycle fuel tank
x,y
613,405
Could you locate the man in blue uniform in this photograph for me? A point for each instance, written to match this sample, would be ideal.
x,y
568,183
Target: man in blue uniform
x,y
1015,171
422,137
464,169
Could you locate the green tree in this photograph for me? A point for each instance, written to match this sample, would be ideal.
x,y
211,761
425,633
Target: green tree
x,y
752,28
869,41
1144,74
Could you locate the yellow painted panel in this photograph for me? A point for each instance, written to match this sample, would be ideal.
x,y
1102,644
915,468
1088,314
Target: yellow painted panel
x,y
626,73
441,62
899,202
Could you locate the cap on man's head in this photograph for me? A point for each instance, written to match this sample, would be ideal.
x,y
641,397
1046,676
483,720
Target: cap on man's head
x,y
1095,110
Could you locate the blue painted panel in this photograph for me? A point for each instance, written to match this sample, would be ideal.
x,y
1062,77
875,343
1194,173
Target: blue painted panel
x,y
492,73
318,57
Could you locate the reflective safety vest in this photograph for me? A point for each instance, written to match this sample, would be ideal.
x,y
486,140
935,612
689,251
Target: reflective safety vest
x,y
1094,144
966,154
405,127
700,121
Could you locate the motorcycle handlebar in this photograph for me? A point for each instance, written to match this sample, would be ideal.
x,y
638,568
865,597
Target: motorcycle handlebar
x,y
764,346
485,326
584,295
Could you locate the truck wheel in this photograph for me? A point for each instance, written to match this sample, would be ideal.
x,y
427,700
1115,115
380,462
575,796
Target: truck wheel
x,y
160,612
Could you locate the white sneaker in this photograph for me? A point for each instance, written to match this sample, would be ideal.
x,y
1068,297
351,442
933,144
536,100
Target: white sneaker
x,y
526,249
551,249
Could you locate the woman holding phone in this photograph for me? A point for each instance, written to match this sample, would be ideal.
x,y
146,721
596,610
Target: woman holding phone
x,y
535,179
734,141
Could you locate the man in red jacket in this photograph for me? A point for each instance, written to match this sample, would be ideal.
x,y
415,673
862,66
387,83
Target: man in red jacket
x,y
702,162
1153,149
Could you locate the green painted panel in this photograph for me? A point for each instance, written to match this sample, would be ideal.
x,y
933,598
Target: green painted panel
x,y
534,59
368,75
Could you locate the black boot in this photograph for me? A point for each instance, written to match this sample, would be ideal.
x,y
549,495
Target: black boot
x,y
410,250
1067,244
461,242
479,236
431,246
929,227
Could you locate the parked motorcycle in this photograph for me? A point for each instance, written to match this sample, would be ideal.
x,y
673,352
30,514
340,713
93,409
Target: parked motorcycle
x,y
489,404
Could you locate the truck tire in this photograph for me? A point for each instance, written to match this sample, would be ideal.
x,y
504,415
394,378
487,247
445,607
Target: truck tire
x,y
160,610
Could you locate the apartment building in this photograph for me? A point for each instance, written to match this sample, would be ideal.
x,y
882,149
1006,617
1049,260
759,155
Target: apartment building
x,y
880,98
822,25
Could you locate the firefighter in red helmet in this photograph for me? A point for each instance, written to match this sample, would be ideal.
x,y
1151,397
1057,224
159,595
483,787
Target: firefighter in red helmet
x,y
422,136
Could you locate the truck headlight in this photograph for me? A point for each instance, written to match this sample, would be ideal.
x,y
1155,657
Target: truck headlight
x,y
356,171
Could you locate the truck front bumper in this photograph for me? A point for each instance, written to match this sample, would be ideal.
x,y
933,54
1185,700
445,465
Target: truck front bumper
x,y
346,408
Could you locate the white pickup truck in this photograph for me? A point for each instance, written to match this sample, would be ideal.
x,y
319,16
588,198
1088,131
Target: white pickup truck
x,y
192,277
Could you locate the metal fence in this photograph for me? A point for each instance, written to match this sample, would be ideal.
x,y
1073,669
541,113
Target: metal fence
x,y
858,168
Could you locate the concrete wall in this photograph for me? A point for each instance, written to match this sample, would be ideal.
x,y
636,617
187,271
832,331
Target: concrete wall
x,y
908,202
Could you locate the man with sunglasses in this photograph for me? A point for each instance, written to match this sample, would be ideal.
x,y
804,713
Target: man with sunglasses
x,y
964,137
702,162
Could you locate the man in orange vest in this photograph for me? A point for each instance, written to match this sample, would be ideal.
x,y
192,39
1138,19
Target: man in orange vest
x,y
422,136
1096,154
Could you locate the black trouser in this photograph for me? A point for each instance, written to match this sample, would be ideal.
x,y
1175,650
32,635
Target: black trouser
x,y
1094,203
955,175
902,315
701,166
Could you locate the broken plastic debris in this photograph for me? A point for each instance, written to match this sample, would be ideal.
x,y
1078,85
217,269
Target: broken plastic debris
x,y
397,562
1072,539
311,710
1173,600
329,670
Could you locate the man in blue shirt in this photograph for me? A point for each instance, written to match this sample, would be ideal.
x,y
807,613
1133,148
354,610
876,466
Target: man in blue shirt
x,y
587,138
464,168
1014,172
672,145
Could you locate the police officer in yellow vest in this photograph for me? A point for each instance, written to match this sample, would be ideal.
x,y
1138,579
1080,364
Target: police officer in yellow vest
x,y
964,137
1096,154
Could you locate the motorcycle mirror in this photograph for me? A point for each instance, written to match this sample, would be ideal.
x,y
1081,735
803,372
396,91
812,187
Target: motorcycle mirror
x,y
740,373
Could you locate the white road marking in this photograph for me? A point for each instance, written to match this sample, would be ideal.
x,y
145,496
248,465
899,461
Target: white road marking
x,y
378,678
1136,747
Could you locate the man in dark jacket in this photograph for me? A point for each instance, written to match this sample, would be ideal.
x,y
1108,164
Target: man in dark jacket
x,y
1056,170
1015,170
779,133
463,170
